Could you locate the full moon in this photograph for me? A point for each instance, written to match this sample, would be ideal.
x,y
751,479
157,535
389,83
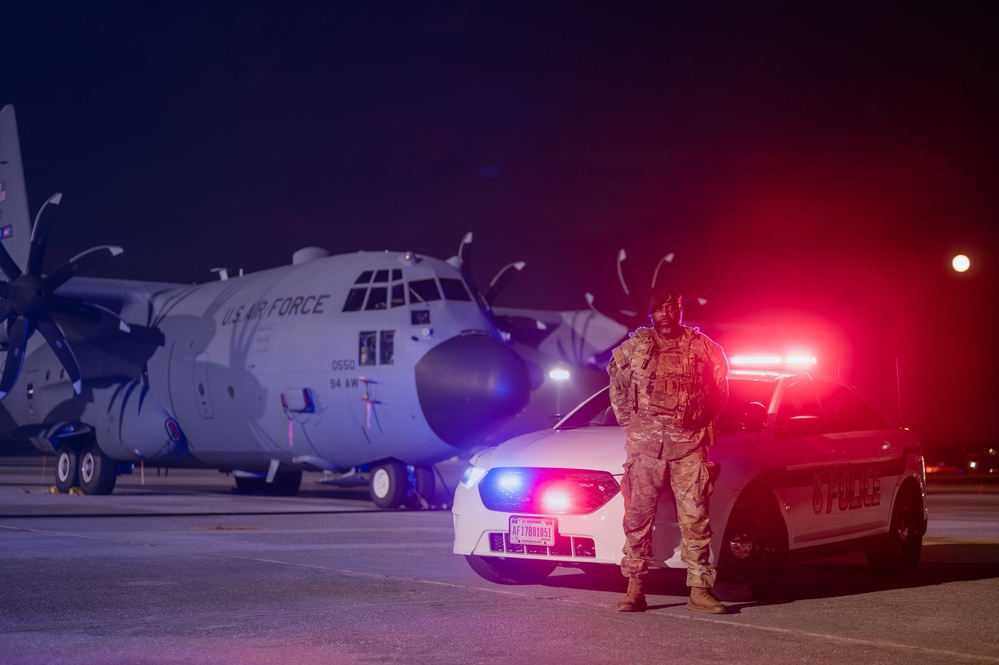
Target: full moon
x,y
961,263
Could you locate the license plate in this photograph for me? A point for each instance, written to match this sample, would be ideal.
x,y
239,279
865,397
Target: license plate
x,y
532,531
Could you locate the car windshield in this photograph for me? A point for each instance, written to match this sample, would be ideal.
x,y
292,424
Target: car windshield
x,y
597,411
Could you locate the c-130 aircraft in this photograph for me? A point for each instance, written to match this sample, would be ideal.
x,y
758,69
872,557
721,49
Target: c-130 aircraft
x,y
378,364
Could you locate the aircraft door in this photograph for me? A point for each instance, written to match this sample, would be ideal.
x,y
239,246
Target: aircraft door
x,y
201,387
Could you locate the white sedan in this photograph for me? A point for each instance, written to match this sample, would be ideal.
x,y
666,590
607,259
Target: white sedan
x,y
807,468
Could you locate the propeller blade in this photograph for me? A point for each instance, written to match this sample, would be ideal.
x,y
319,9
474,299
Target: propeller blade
x,y
655,275
40,234
86,310
625,277
19,334
465,254
51,332
79,263
502,278
8,265
629,322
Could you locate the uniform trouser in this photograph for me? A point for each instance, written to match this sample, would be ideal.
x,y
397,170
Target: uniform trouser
x,y
644,480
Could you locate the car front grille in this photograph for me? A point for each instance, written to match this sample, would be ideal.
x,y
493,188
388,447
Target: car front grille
x,y
571,546
542,491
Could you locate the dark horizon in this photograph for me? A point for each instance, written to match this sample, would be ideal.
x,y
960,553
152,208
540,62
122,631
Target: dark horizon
x,y
812,167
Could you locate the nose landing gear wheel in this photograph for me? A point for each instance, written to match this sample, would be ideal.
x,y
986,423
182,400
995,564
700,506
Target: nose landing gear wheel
x,y
388,485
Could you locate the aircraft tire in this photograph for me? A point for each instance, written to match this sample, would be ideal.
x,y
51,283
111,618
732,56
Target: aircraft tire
x,y
423,492
388,485
67,467
249,484
286,483
98,472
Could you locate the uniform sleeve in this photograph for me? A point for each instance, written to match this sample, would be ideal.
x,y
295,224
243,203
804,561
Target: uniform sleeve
x,y
719,378
619,370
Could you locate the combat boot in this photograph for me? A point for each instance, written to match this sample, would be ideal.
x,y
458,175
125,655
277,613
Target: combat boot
x,y
701,600
634,601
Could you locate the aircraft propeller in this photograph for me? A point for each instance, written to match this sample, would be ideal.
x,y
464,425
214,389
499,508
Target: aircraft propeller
x,y
499,281
632,320
27,300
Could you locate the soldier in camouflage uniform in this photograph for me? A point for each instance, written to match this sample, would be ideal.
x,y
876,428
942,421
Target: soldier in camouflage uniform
x,y
668,383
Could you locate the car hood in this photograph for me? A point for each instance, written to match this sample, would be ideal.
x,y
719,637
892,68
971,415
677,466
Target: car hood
x,y
595,448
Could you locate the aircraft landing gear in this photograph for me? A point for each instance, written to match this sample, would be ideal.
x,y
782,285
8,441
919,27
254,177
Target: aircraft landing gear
x,y
98,472
394,485
67,467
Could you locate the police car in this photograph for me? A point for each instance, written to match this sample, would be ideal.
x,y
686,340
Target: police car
x,y
807,467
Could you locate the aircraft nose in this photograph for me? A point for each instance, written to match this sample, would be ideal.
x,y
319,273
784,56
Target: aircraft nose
x,y
470,385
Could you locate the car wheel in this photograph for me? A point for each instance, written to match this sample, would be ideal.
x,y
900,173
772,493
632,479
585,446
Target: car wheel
x,y
98,472
510,571
67,468
754,550
388,485
897,552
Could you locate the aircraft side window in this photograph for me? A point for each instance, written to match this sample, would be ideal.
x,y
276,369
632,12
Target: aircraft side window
x,y
376,299
386,346
366,347
382,276
398,295
424,290
365,277
355,300
454,289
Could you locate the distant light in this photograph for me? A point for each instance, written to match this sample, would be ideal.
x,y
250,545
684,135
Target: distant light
x,y
558,374
961,263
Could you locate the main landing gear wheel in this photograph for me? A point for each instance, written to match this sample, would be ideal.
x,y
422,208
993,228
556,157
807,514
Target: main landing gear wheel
x,y
98,472
500,570
67,467
754,550
423,488
388,484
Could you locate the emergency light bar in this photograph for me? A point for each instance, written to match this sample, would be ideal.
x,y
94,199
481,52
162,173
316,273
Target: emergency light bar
x,y
791,360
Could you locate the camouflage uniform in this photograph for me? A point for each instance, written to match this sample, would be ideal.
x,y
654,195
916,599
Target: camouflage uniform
x,y
666,394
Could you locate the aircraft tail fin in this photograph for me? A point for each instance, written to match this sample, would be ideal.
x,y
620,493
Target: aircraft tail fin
x,y
15,221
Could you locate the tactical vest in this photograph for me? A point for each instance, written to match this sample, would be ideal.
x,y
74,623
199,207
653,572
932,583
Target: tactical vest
x,y
667,379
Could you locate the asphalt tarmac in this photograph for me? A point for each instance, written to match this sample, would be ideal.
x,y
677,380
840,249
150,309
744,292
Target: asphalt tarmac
x,y
182,570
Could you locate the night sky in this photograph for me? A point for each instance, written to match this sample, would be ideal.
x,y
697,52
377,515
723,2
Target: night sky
x,y
812,165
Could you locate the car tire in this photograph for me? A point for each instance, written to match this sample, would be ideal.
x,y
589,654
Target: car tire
x,y
510,571
754,550
67,468
897,552
388,485
98,472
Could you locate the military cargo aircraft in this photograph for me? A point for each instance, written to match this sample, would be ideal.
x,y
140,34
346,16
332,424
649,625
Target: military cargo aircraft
x,y
372,364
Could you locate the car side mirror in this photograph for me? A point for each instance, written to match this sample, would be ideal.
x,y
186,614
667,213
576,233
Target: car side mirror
x,y
802,426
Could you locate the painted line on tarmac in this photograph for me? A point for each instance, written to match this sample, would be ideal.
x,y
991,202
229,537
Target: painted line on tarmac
x,y
956,541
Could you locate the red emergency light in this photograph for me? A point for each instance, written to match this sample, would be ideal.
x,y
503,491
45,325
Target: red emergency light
x,y
795,361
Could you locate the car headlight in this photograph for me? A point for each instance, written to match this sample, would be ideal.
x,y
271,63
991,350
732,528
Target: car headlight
x,y
471,475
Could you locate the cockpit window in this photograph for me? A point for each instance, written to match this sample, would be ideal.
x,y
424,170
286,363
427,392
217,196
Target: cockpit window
x,y
376,298
365,277
454,289
381,276
424,290
355,300
398,295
